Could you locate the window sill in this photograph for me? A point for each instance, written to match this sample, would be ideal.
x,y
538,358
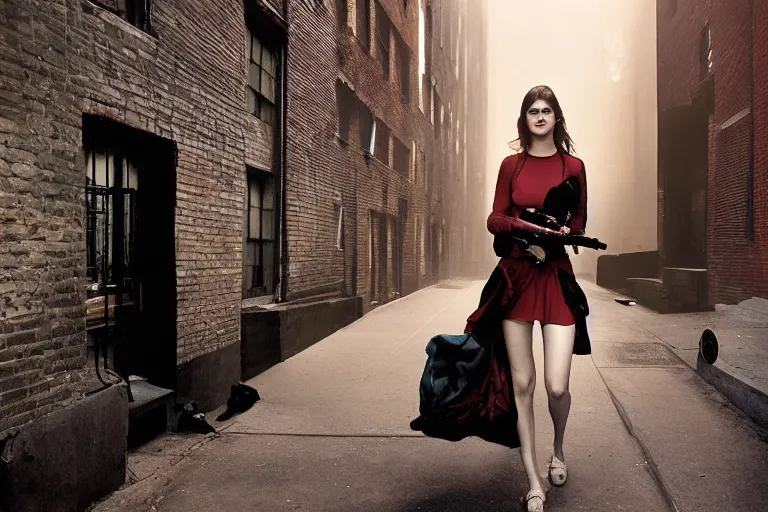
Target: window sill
x,y
254,302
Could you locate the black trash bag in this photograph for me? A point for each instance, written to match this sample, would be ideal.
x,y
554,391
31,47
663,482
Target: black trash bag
x,y
241,399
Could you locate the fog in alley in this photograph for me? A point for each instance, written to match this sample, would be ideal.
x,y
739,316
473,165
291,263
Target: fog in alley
x,y
599,57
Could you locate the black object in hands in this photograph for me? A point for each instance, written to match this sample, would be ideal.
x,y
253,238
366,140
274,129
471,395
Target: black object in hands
x,y
560,204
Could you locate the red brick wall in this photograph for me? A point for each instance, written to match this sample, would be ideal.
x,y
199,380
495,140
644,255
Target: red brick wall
x,y
62,59
737,265
760,116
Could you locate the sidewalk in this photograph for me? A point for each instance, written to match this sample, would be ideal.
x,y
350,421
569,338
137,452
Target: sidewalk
x,y
331,432
741,369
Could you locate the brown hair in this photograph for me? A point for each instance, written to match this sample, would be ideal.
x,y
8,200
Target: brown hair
x,y
563,140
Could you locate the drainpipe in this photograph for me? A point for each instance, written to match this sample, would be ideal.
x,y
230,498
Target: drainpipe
x,y
282,290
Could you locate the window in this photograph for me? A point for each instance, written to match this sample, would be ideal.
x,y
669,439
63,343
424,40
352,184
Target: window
x,y
383,30
364,22
402,158
110,214
419,166
261,90
366,127
341,13
259,256
403,68
705,53
422,64
338,214
345,104
136,12
381,150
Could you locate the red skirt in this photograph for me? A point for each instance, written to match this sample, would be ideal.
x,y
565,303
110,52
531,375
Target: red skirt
x,y
540,293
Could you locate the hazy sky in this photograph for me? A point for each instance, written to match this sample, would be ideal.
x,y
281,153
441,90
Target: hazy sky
x,y
599,56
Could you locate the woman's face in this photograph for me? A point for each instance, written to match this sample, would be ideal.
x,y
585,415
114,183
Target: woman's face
x,y
540,118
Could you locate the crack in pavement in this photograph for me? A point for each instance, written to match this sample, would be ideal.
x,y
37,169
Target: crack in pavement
x,y
650,464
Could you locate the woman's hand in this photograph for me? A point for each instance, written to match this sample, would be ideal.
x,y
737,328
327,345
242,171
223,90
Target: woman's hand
x,y
565,230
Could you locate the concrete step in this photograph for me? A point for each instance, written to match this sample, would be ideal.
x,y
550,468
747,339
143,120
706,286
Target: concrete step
x,y
150,414
679,290
687,288
648,292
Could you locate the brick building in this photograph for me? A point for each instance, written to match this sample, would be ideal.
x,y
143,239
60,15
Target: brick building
x,y
713,197
193,202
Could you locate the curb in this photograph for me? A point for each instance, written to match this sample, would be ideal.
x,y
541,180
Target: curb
x,y
748,399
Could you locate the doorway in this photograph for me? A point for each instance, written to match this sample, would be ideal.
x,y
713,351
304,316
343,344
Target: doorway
x,y
683,163
130,197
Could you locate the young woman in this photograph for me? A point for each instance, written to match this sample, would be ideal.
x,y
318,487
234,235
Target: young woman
x,y
524,180
481,383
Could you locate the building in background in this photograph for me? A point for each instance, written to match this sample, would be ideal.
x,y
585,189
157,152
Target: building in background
x,y
192,203
713,202
712,174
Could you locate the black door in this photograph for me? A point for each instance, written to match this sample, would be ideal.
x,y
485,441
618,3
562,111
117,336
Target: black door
x,y
683,161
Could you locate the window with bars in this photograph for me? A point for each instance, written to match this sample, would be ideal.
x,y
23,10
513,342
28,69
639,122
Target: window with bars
x,y
261,91
259,255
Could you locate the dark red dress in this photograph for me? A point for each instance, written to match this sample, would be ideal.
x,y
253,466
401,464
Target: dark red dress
x,y
523,182
476,368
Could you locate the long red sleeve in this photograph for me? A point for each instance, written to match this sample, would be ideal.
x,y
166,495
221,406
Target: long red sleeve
x,y
504,217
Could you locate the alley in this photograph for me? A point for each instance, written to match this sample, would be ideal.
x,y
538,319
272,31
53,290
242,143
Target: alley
x,y
331,431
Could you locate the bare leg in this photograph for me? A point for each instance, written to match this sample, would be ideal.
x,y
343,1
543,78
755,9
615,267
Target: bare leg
x,y
558,353
518,337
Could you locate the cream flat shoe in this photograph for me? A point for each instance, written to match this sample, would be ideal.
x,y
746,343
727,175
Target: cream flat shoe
x,y
530,500
558,473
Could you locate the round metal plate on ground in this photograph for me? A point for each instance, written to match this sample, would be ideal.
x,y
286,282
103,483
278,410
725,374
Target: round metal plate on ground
x,y
708,346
